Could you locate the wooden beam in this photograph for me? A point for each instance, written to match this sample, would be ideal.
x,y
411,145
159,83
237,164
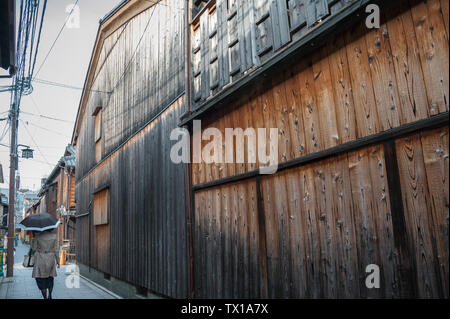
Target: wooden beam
x,y
406,265
389,135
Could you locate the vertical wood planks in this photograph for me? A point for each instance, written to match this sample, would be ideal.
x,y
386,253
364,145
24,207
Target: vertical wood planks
x,y
418,210
309,110
405,54
325,100
434,54
435,146
383,78
343,93
226,227
363,93
373,224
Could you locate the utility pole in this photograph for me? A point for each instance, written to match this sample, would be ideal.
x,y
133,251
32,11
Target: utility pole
x,y
12,186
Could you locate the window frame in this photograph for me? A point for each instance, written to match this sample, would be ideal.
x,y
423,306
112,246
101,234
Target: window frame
x,y
105,216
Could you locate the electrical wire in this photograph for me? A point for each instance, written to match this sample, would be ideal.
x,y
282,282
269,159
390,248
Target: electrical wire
x,y
5,131
47,117
45,129
56,40
35,104
36,144
65,86
39,37
137,46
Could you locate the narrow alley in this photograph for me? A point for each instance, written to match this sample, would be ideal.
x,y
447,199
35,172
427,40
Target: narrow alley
x,y
23,286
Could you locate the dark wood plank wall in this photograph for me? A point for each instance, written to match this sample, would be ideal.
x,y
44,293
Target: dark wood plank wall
x,y
323,223
145,243
228,255
424,173
133,85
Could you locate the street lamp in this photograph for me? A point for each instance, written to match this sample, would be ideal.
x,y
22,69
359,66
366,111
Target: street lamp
x,y
27,152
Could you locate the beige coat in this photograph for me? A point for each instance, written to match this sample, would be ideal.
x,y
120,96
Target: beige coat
x,y
46,254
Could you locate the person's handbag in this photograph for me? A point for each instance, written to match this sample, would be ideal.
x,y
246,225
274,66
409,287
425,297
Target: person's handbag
x,y
28,260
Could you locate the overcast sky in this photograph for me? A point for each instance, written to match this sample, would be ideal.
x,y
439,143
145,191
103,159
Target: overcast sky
x,y
67,64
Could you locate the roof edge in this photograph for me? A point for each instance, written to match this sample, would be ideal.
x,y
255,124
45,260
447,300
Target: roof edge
x,y
106,22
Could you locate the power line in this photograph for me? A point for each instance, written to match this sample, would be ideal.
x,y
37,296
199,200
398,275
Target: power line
x,y
57,37
41,115
45,129
35,105
47,117
137,46
39,36
5,131
66,86
21,85
44,147
37,146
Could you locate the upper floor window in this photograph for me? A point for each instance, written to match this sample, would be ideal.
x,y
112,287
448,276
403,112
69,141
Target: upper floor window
x,y
98,134
197,6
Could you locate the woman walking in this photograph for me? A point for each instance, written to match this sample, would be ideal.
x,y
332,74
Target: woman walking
x,y
46,259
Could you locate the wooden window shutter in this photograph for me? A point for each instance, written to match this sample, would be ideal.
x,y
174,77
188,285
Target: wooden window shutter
x,y
197,61
272,26
316,10
101,207
213,49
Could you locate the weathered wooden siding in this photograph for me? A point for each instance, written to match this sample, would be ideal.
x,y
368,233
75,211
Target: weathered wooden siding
x,y
424,171
324,223
72,203
319,225
137,81
140,71
145,242
358,85
228,255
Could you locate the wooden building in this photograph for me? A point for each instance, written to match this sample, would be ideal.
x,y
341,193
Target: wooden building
x,y
362,116
57,195
7,36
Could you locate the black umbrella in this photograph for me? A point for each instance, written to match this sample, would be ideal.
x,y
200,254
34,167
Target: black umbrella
x,y
39,222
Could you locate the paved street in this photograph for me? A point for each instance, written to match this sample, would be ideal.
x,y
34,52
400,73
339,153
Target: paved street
x,y
23,286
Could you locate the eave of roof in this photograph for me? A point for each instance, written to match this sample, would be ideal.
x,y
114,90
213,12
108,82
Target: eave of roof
x,y
8,31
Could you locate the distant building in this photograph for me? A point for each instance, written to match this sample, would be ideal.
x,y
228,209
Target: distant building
x,y
57,194
3,213
24,199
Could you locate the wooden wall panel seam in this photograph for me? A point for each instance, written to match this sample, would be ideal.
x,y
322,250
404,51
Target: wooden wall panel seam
x,y
407,264
410,128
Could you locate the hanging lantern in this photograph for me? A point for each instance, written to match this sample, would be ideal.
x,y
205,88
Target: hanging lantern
x,y
27,153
